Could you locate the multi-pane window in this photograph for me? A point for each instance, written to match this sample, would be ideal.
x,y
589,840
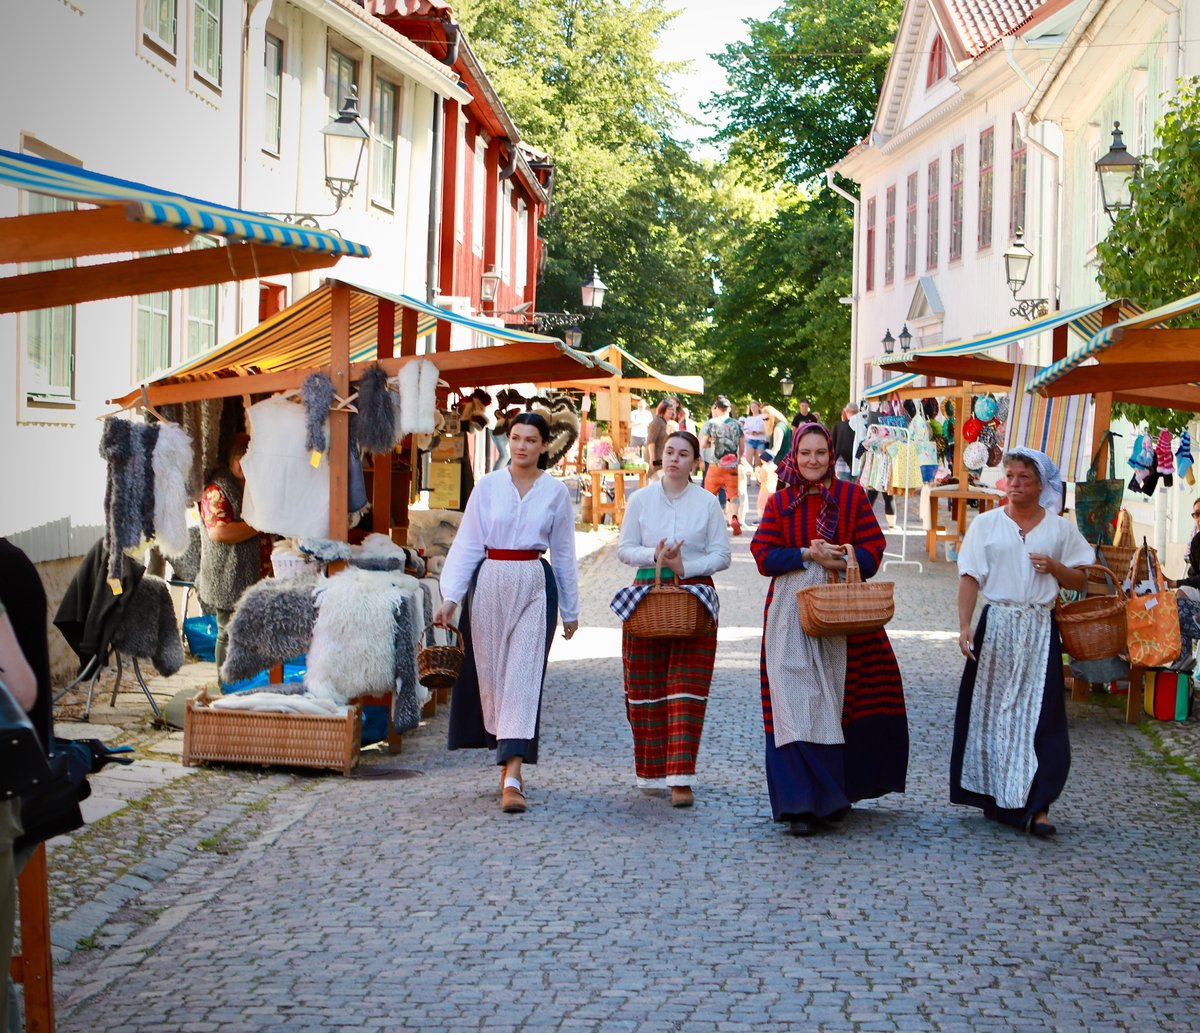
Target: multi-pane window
x,y
1018,166
478,187
889,239
1094,206
869,258
987,154
521,270
206,40
383,143
153,334
342,78
200,312
273,94
956,203
932,206
936,70
1141,125
158,22
49,370
910,227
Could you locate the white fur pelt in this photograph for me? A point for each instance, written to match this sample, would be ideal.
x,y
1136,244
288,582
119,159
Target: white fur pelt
x,y
353,645
172,461
417,383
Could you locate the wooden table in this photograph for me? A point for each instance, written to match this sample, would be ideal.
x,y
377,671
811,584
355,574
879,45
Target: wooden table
x,y
616,508
958,499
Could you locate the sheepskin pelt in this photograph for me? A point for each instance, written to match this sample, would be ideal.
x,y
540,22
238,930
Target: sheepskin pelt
x,y
149,435
172,464
561,415
353,644
148,629
375,421
273,622
324,549
122,446
406,704
185,566
317,394
417,383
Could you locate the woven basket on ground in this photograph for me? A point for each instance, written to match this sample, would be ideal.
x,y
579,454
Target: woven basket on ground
x,y
850,607
668,611
438,666
1093,628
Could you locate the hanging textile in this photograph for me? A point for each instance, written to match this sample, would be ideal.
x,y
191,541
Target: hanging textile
x,y
1060,427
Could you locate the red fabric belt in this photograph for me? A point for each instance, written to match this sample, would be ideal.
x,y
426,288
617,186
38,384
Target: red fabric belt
x,y
513,554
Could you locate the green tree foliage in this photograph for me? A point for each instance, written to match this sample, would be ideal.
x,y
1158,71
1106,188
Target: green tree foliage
x,y
581,80
1149,254
803,87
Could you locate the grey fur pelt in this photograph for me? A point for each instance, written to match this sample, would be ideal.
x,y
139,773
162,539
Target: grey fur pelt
x,y
148,629
317,395
406,705
273,622
376,418
122,445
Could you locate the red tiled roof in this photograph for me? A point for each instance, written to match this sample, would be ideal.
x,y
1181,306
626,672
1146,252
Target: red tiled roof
x,y
981,24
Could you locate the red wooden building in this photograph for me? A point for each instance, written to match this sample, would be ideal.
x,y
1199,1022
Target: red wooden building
x,y
493,187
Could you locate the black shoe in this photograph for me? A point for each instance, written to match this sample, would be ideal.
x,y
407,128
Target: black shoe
x,y
1042,829
803,827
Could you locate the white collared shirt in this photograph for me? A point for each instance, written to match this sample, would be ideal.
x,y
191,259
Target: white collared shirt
x,y
695,518
497,517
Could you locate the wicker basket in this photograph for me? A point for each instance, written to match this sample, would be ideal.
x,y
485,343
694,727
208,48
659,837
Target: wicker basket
x,y
1119,555
668,611
850,607
1093,628
259,737
438,666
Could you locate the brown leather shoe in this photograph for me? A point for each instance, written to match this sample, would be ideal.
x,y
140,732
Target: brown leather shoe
x,y
512,801
681,796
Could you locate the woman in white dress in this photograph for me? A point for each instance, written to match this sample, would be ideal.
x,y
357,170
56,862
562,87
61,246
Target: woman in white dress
x,y
667,680
1011,753
511,598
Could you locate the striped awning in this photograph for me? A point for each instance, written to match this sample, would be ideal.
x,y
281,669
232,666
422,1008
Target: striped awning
x,y
690,385
1083,321
1104,338
888,386
155,206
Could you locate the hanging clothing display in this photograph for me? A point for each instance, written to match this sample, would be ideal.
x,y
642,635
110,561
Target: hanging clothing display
x,y
285,494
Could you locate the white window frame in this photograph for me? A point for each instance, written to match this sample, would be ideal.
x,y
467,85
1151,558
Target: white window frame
x,y
460,181
273,80
207,21
504,231
1095,209
36,389
154,308
478,194
201,311
383,144
152,23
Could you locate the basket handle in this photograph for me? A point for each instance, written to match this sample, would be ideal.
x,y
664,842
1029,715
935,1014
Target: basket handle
x,y
1108,574
658,569
1152,568
853,573
450,628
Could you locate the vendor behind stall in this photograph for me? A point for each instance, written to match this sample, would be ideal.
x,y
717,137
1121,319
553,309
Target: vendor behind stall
x,y
233,555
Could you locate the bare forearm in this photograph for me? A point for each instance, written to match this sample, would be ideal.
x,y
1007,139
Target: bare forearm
x,y
968,596
233,533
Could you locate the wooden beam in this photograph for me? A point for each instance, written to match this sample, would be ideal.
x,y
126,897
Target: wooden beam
x,y
158,273
1143,345
1180,397
95,231
974,368
1117,375
339,419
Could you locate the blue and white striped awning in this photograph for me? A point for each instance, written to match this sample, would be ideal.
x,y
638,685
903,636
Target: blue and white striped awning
x,y
1109,335
164,208
888,386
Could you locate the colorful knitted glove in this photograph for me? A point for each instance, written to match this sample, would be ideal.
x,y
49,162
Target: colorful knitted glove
x,y
1141,455
1162,452
1183,458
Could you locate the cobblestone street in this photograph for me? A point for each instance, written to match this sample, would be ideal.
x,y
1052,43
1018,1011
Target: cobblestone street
x,y
269,902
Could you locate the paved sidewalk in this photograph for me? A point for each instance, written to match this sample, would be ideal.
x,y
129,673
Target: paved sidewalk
x,y
403,899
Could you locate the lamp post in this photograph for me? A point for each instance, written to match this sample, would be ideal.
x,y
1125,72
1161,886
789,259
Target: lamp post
x,y
1017,260
1117,171
889,342
593,291
574,337
905,338
786,386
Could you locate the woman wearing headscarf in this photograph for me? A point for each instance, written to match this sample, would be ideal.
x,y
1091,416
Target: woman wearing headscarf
x,y
511,601
833,708
1011,753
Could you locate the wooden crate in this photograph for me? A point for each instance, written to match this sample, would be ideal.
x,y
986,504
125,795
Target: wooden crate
x,y
284,740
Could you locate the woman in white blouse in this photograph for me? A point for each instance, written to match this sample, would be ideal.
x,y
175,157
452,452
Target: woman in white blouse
x,y
667,679
511,598
1011,753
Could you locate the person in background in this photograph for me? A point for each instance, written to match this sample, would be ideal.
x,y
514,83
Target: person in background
x,y
656,434
233,555
723,436
1187,599
639,422
843,443
511,599
685,420
1011,753
667,680
805,414
755,428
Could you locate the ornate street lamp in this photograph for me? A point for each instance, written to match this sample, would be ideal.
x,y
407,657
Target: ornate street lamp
x,y
593,292
489,286
889,342
1117,171
573,337
345,142
786,386
1017,260
905,338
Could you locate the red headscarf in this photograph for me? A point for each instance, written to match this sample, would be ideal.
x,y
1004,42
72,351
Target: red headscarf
x,y
789,474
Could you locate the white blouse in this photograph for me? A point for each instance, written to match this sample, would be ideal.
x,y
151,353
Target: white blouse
x,y
497,517
695,518
994,555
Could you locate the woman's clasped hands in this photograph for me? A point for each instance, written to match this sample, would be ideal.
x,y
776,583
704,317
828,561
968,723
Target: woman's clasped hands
x,y
827,554
670,556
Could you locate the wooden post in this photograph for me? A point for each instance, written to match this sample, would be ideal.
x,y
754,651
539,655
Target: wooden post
x,y
405,454
381,487
33,967
339,419
452,147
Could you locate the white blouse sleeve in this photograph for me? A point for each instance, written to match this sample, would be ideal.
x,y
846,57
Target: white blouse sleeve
x,y
630,547
1074,550
466,551
972,560
717,554
562,555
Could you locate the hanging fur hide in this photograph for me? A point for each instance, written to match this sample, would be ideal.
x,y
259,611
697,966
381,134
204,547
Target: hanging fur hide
x,y
273,622
149,436
376,419
317,394
172,491
122,500
559,412
406,706
148,629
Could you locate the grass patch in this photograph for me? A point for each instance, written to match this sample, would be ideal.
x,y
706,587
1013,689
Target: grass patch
x,y
91,942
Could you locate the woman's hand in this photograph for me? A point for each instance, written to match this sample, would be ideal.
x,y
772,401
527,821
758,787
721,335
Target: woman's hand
x,y
1046,564
966,642
445,613
828,555
672,557
569,629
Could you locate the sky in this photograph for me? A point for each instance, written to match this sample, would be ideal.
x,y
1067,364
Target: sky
x,y
705,27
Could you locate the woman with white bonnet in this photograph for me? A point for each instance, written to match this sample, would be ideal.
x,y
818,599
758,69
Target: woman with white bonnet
x,y
1011,753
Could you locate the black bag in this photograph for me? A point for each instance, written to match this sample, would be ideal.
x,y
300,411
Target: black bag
x,y
24,766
